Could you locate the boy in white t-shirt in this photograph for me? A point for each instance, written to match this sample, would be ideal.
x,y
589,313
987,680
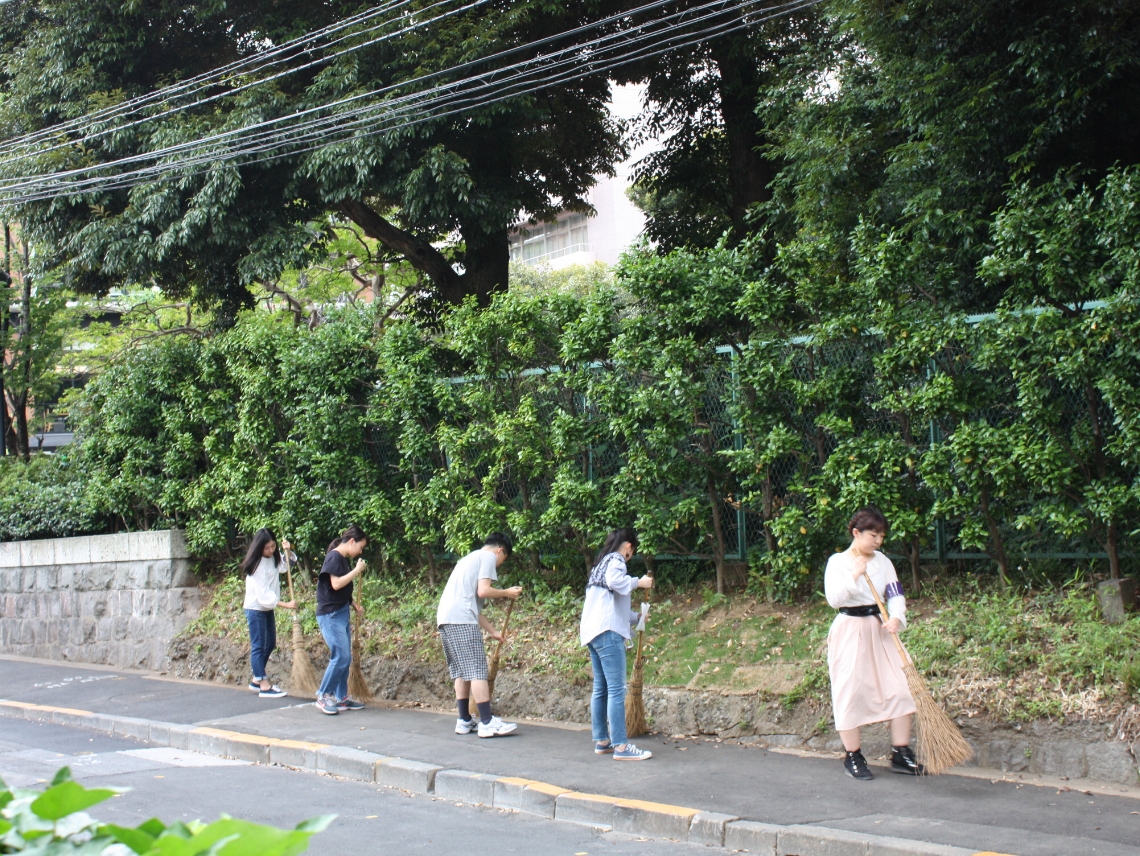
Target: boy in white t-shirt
x,y
459,618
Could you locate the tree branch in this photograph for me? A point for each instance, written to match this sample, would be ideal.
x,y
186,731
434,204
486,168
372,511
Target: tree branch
x,y
420,254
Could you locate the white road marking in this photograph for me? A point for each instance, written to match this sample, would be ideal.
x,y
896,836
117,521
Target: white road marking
x,y
183,757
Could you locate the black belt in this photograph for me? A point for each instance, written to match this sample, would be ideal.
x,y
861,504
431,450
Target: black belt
x,y
860,611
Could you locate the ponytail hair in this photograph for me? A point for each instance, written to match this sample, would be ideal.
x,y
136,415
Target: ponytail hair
x,y
352,533
614,540
257,544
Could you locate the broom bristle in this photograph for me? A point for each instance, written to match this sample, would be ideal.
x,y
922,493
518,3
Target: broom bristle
x,y
940,743
357,686
303,680
635,724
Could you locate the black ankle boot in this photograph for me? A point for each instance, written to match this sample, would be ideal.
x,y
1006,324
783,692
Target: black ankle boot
x,y
855,766
903,761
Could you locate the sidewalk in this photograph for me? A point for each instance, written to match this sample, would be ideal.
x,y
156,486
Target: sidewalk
x,y
1014,817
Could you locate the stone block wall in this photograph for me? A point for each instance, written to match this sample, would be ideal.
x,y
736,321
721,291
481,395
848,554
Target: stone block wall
x,y
112,599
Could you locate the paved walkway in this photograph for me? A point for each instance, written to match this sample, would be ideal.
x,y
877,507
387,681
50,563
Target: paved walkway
x,y
1023,816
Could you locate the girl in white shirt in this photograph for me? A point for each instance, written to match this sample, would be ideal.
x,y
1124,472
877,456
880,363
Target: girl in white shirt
x,y
867,680
607,620
263,566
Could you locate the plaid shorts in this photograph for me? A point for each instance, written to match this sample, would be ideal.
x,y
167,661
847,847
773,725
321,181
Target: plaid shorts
x,y
466,657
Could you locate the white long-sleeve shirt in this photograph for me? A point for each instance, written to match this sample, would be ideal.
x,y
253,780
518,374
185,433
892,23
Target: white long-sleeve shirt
x,y
842,589
263,586
609,608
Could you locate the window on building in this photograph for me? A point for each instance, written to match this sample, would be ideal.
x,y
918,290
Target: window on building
x,y
545,242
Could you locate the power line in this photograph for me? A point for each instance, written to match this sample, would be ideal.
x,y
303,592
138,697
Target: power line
x,y
25,148
578,60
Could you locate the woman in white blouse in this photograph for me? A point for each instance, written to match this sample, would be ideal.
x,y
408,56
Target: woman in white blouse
x,y
867,680
263,567
607,621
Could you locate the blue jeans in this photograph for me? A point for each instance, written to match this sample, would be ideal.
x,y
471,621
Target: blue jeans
x,y
607,654
262,639
334,627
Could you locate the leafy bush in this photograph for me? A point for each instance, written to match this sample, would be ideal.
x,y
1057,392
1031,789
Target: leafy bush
x,y
55,821
46,497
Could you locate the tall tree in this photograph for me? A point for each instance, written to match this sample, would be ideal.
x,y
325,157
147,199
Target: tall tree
x,y
701,103
440,194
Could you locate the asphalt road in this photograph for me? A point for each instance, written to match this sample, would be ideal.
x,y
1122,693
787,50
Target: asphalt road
x,y
1018,816
174,785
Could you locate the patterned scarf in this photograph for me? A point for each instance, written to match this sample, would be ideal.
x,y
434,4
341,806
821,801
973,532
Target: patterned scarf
x,y
598,574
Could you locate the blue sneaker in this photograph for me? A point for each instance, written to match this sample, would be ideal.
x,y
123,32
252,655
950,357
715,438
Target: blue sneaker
x,y
349,704
629,752
603,747
327,704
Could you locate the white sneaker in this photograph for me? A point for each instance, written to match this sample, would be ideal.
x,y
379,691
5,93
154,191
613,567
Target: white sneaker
x,y
496,728
465,726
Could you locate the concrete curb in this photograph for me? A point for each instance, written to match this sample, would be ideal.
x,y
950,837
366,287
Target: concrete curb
x,y
635,817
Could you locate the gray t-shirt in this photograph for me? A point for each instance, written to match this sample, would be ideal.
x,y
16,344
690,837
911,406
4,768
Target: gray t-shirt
x,y
459,605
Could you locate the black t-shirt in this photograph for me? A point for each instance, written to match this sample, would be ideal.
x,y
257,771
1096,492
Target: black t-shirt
x,y
328,598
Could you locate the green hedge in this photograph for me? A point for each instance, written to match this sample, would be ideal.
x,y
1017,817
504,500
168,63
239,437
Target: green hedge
x,y
713,399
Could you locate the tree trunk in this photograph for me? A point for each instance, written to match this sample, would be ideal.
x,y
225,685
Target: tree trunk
x,y
486,261
915,555
1092,398
20,401
749,173
1113,548
718,533
769,513
995,539
427,554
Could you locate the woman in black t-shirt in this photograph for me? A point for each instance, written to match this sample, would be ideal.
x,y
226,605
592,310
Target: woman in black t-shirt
x,y
334,597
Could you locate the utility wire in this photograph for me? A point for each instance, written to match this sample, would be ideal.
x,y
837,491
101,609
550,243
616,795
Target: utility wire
x,y
576,61
24,147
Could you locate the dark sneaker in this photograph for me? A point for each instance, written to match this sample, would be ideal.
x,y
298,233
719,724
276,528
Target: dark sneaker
x,y
273,692
603,747
327,704
349,704
629,752
255,686
855,766
903,761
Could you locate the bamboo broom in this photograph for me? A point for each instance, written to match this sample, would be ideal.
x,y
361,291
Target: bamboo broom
x,y
303,681
493,671
940,743
357,687
635,722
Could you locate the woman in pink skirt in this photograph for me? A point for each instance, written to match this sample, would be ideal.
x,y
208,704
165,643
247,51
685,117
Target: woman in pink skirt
x,y
867,680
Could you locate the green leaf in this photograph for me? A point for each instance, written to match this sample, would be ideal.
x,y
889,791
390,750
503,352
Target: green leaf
x,y
153,827
63,774
136,839
67,798
316,824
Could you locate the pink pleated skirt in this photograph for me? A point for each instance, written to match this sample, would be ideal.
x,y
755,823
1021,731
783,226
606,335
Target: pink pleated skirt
x,y
867,680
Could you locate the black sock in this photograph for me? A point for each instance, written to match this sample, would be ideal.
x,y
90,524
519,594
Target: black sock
x,y
464,708
484,711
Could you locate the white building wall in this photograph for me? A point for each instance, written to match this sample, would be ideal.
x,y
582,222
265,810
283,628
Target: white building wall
x,y
617,223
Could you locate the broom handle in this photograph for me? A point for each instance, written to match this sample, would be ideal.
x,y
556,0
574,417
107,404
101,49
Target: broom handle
x,y
883,611
641,633
503,633
289,577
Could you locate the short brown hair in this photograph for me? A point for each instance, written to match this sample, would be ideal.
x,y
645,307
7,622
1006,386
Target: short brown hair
x,y
868,518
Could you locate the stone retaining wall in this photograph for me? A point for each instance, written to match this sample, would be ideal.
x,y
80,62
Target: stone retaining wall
x,y
112,599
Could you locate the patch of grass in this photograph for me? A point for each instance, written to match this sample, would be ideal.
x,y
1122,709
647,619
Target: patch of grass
x,y
1012,655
